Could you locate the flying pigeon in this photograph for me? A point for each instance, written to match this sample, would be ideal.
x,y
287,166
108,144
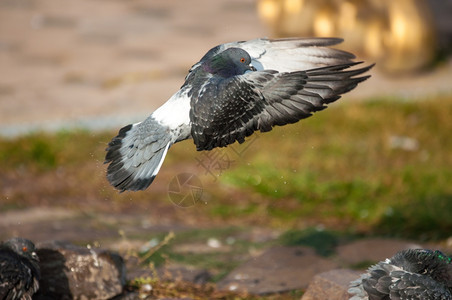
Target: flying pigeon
x,y
413,274
19,269
235,89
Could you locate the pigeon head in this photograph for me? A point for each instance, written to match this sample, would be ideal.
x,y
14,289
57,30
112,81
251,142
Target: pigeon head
x,y
22,247
228,63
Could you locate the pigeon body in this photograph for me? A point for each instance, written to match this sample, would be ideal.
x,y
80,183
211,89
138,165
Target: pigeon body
x,y
19,270
234,90
413,274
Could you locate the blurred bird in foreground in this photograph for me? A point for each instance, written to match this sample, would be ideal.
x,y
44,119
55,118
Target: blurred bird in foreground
x,y
413,274
19,269
235,89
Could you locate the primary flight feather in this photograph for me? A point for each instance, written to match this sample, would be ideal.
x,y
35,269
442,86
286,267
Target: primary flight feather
x,y
235,89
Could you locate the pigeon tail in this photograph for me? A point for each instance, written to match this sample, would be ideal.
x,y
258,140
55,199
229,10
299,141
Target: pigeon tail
x,y
136,154
135,159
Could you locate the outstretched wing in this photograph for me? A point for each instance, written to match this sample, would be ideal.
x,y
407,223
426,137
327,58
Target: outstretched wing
x,y
287,55
294,54
231,109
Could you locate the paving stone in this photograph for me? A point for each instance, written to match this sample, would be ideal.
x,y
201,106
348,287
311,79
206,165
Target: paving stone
x,y
372,250
278,269
331,285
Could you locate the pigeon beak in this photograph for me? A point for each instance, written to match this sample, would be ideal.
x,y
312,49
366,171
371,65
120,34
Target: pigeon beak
x,y
252,68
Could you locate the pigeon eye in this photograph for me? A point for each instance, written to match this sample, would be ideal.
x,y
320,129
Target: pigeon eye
x,y
242,60
24,249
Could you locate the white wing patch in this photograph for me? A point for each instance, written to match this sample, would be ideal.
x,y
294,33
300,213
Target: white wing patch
x,y
161,161
291,55
175,112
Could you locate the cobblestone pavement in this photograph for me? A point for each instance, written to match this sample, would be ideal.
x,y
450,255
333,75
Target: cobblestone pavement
x,y
102,64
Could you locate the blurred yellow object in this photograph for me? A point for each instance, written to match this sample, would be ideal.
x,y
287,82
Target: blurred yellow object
x,y
410,38
324,22
269,11
399,35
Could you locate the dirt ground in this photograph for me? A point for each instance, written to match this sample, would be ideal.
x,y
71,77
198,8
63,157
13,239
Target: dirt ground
x,y
103,64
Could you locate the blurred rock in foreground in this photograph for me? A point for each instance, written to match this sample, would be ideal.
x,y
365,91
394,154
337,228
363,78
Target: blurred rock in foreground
x,y
331,285
73,272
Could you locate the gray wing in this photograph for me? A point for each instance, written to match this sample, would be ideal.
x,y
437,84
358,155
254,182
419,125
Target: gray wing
x,y
226,111
412,286
287,55
374,284
387,281
293,54
232,109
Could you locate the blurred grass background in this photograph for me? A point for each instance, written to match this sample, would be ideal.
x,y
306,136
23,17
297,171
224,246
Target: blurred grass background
x,y
377,167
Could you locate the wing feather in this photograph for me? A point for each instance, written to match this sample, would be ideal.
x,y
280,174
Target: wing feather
x,y
231,109
286,55
289,55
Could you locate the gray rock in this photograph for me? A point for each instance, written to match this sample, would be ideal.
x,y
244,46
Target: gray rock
x,y
372,250
278,269
73,272
331,285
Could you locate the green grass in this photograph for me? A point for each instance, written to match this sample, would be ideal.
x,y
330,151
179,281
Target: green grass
x,y
342,165
43,151
341,168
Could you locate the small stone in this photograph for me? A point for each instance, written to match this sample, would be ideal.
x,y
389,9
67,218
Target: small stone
x,y
404,143
214,243
146,288
73,272
331,285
